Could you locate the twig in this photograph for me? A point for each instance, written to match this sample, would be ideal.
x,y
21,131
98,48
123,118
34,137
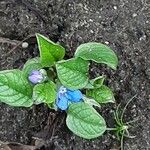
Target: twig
x,y
28,37
9,41
15,146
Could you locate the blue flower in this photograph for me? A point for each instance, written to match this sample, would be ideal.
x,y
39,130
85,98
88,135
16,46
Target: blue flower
x,y
37,76
64,96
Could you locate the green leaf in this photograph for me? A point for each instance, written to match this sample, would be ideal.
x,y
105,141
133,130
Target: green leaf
x,y
15,89
84,121
97,52
95,83
102,94
91,101
72,73
98,82
44,93
31,64
50,52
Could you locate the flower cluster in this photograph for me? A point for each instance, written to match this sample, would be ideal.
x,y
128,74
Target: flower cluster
x,y
64,95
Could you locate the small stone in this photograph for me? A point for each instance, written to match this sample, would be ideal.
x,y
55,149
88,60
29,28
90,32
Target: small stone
x,y
115,7
134,106
121,81
90,20
134,15
91,31
143,38
25,45
106,42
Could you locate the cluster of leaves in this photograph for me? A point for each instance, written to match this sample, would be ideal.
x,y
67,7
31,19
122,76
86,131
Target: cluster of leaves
x,y
82,118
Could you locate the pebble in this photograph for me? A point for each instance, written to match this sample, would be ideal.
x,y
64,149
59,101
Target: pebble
x,y
134,15
106,42
115,7
25,45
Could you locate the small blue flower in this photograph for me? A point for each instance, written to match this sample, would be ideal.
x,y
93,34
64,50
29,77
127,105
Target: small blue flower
x,y
64,96
37,76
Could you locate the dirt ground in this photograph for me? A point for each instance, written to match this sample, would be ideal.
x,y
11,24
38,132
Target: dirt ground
x,y
122,24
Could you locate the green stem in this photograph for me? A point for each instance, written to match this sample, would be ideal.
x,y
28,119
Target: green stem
x,y
121,142
122,115
111,129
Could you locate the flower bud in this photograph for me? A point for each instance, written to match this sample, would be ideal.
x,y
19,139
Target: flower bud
x,y
37,76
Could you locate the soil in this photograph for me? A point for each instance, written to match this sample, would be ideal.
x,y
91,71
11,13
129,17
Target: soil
x,y
124,25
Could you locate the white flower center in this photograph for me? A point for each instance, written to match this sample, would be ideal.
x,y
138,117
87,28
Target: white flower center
x,y
62,90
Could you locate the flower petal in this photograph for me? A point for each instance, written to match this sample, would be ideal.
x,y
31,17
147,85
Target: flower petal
x,y
74,96
35,76
35,79
62,103
34,72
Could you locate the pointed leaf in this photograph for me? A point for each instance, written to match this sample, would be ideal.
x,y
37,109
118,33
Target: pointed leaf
x,y
44,93
50,52
15,89
97,52
73,73
102,94
95,83
84,121
91,101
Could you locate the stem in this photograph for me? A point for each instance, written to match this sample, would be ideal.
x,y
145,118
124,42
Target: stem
x,y
116,119
116,115
111,129
121,144
126,108
132,121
